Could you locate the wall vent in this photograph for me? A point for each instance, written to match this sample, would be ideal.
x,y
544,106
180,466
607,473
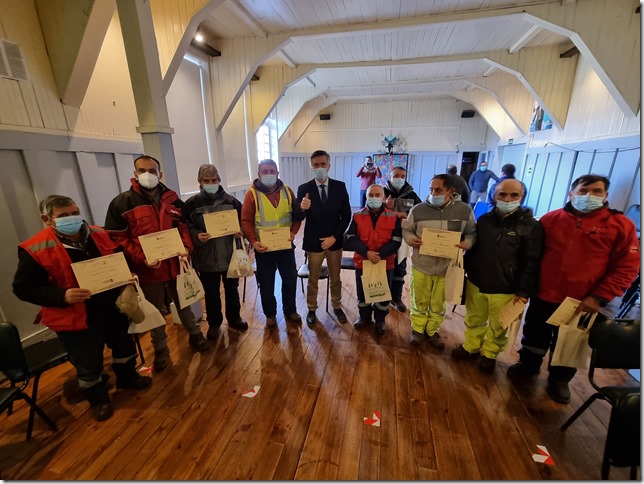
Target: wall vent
x,y
12,62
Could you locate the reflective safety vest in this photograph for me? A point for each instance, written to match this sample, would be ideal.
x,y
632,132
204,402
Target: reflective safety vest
x,y
375,237
267,216
48,251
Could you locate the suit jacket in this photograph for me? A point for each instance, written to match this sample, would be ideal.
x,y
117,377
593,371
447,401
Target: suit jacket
x,y
325,221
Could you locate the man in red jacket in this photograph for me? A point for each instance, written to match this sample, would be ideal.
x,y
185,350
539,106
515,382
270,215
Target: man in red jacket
x,y
83,322
591,253
147,207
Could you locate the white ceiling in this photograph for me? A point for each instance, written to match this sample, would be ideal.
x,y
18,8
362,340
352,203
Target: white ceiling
x,y
377,33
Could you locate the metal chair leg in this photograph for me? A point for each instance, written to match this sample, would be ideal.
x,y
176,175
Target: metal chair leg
x,y
137,342
579,411
328,282
244,292
40,413
32,410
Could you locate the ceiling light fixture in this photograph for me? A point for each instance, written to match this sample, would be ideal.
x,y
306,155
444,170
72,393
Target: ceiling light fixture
x,y
199,37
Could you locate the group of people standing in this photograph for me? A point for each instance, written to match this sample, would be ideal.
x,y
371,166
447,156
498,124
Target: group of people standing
x,y
584,250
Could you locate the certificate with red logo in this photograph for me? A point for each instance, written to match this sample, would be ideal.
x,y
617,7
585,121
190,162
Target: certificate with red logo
x,y
440,243
102,273
162,245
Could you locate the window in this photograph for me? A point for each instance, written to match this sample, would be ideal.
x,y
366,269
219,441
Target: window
x,y
267,140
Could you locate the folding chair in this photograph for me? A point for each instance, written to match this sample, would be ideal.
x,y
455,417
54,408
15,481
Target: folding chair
x,y
615,344
622,447
21,364
303,273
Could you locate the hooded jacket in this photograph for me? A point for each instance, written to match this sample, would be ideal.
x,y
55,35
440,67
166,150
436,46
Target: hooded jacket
x,y
403,199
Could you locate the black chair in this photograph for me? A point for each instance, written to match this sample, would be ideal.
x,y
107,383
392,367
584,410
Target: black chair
x,y
347,263
20,364
303,273
615,344
623,438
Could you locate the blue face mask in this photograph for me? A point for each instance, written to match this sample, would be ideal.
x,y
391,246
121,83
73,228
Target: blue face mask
x,y
437,200
69,225
374,203
397,183
507,207
211,188
587,203
268,180
320,174
482,168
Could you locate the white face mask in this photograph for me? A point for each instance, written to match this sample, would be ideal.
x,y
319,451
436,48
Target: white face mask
x,y
148,180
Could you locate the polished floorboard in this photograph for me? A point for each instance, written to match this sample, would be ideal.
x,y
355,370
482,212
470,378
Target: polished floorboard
x,y
439,418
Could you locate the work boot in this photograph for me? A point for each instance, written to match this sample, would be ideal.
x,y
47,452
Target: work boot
x,y
99,401
198,342
398,306
127,377
361,323
485,364
213,332
522,370
161,359
293,318
415,338
271,322
558,391
461,353
239,324
381,328
436,341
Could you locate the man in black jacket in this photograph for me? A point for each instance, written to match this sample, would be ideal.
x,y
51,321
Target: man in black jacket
x,y
502,267
212,256
327,210
400,197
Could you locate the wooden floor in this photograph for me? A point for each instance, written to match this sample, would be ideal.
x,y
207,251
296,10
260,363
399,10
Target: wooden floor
x,y
440,418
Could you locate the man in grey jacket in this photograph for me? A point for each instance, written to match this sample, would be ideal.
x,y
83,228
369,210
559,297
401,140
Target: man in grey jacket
x,y
211,256
440,211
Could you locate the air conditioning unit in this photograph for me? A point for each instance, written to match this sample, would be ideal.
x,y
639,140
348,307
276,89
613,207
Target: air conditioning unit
x,y
468,113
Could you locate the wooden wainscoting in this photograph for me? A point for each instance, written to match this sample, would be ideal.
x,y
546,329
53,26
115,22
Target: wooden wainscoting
x,y
440,418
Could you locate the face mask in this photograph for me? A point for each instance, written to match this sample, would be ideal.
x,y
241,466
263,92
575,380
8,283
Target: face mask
x,y
369,165
211,188
374,203
483,168
437,200
268,180
397,183
587,203
148,180
69,225
320,174
507,207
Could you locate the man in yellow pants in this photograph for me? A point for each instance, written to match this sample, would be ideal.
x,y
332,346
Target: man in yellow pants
x,y
439,211
503,266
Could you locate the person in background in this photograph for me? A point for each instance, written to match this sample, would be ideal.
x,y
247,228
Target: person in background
x,y
507,173
367,173
440,211
591,253
326,206
478,183
400,198
503,266
270,203
374,234
212,256
148,207
84,322
460,185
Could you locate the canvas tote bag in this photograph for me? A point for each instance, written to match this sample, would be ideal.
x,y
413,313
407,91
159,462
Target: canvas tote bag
x,y
152,318
240,265
454,278
189,286
374,282
572,347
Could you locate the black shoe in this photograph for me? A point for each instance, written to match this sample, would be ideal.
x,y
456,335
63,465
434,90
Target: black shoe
x,y
102,411
485,364
339,313
558,391
161,359
214,332
398,306
99,401
198,342
521,370
134,381
436,341
294,318
381,328
311,318
415,338
239,325
361,323
461,353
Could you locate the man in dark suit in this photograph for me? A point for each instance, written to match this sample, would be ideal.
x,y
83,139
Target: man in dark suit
x,y
327,210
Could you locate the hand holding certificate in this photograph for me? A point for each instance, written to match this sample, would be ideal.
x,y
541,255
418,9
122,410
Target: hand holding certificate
x,y
162,245
219,224
278,238
102,273
440,243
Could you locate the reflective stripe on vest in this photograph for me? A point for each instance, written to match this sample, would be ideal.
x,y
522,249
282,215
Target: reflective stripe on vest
x,y
268,216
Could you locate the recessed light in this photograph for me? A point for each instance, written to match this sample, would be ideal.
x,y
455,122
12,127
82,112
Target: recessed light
x,y
199,38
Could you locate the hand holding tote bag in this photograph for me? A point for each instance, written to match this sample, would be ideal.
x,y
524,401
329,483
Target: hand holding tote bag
x,y
152,318
240,265
454,279
374,282
189,286
572,347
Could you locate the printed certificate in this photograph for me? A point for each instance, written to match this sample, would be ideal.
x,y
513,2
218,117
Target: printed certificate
x,y
510,313
102,273
221,223
162,245
565,313
440,243
276,239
